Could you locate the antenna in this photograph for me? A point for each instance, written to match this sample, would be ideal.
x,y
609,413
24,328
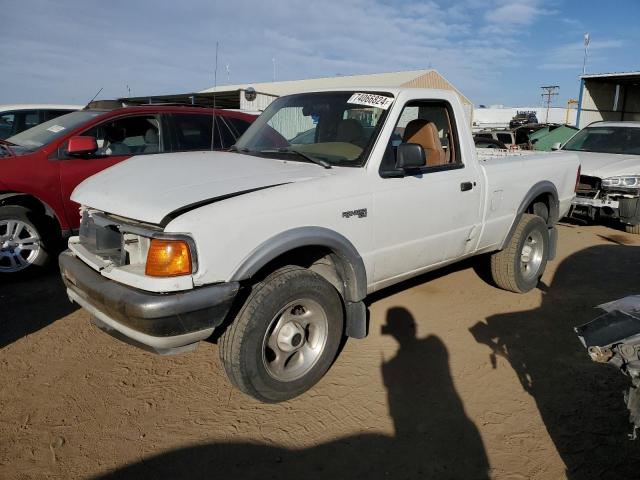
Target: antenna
x,y
548,93
128,89
228,69
213,112
94,97
587,41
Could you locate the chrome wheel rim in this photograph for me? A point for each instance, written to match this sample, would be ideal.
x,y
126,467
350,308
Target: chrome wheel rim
x,y
295,340
531,255
19,245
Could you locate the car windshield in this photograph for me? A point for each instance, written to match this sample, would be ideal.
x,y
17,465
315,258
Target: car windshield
x,y
46,132
329,128
623,140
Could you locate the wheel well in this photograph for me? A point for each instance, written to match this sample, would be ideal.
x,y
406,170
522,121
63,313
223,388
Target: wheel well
x,y
35,205
320,260
545,199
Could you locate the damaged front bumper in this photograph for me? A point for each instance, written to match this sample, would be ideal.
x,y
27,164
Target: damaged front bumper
x,y
614,338
165,323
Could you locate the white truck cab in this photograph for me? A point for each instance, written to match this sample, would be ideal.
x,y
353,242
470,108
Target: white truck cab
x,y
274,245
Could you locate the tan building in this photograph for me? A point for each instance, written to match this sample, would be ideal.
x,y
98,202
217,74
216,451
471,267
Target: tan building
x,y
232,96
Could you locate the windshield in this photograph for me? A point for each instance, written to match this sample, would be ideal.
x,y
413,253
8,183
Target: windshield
x,y
334,128
625,140
46,132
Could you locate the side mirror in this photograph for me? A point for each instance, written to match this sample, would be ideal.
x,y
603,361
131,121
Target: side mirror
x,y
556,146
82,145
411,155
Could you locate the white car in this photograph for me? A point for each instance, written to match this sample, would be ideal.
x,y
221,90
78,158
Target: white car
x,y
273,247
17,118
609,154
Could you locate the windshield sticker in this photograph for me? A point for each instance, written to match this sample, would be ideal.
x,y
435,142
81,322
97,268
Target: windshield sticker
x,y
371,100
55,128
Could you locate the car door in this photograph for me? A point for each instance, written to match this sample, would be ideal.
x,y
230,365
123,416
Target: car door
x,y
433,213
118,139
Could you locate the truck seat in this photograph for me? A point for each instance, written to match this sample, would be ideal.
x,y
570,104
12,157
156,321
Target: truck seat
x,y
425,133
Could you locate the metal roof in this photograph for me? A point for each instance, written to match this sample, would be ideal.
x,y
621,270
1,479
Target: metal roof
x,y
388,79
610,75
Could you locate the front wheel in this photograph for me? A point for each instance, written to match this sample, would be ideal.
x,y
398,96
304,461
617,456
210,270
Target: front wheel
x,y
22,247
520,265
285,336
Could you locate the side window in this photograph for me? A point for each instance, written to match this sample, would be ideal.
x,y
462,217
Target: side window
x,y
51,114
223,133
193,132
7,122
30,119
430,125
505,138
238,126
127,136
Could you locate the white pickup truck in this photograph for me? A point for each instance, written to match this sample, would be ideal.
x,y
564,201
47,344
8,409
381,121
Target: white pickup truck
x,y
275,245
609,154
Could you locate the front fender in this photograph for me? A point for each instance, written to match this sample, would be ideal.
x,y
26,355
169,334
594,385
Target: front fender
x,y
353,269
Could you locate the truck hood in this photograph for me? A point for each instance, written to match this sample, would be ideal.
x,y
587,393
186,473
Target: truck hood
x,y
603,165
151,187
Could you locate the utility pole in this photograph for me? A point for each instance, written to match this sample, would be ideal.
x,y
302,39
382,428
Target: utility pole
x,y
548,93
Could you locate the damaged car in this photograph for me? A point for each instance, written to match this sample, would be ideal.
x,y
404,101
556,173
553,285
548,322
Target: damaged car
x,y
614,338
609,187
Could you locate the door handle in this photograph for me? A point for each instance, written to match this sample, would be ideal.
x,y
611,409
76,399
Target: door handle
x,y
465,186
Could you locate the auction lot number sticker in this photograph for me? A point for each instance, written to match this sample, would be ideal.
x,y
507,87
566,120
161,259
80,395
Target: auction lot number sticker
x,y
371,100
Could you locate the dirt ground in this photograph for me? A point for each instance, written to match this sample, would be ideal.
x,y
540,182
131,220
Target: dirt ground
x,y
457,379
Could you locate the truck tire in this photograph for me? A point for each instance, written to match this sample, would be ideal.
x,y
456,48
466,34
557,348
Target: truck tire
x,y
23,248
632,229
285,336
520,265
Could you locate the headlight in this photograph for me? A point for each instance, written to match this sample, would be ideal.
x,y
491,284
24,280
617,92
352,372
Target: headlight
x,y
631,182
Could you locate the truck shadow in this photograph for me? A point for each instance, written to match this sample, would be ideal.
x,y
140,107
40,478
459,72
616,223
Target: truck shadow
x,y
433,436
29,304
580,402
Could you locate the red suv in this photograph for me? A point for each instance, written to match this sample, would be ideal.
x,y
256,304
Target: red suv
x,y
40,167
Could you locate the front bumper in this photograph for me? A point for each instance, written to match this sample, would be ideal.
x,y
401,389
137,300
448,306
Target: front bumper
x,y
165,323
595,202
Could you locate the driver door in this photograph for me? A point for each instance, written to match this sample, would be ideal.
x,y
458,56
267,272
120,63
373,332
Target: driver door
x,y
429,215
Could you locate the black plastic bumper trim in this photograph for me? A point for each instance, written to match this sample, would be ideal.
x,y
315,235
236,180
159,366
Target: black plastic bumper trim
x,y
160,315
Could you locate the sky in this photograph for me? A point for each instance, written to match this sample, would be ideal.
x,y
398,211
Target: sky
x,y
494,51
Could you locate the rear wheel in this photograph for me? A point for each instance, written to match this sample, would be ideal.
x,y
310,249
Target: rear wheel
x,y
22,246
285,336
632,229
522,262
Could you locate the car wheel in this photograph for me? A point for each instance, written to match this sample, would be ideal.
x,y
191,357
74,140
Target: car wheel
x,y
632,229
22,246
520,265
285,336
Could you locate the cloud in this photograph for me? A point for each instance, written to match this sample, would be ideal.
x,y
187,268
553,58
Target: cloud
x,y
71,49
514,13
570,56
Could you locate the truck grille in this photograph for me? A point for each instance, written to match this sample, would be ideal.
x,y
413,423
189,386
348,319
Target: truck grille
x,y
588,186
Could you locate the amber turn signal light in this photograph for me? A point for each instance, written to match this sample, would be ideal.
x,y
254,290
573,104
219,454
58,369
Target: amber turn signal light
x,y
168,258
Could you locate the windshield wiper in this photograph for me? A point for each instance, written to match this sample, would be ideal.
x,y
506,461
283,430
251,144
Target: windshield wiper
x,y
317,161
233,148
